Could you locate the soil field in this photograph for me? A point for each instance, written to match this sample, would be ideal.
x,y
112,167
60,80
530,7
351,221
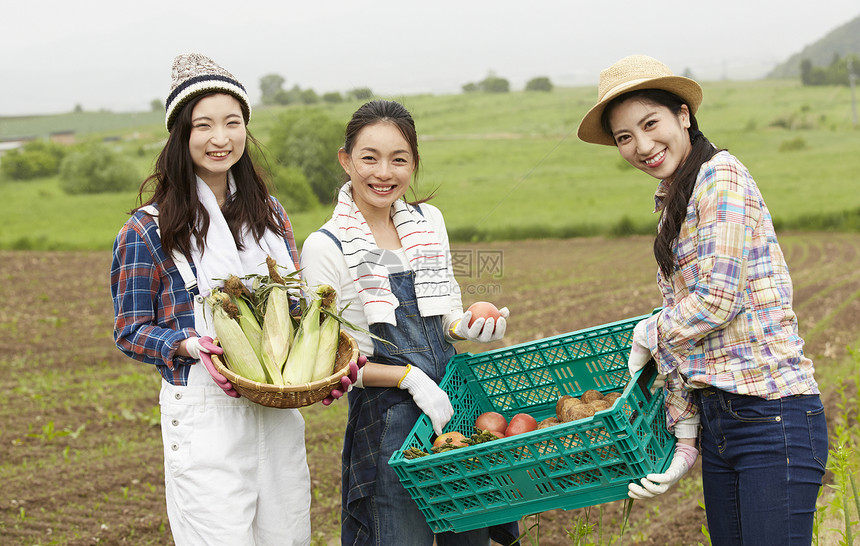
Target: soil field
x,y
80,444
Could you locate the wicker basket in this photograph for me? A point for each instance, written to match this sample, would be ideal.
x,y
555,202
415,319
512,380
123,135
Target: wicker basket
x,y
294,396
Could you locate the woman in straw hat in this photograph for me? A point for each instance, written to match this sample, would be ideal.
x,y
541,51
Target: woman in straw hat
x,y
235,472
726,338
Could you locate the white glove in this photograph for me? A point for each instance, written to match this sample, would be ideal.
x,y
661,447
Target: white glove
x,y
482,330
657,484
640,354
428,396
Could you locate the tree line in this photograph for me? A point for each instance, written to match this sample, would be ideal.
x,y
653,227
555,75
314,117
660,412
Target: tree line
x,y
272,91
838,72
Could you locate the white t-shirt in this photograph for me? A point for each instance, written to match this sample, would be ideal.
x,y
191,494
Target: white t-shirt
x,y
322,262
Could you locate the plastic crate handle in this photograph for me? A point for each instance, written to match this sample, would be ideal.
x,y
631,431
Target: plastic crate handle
x,y
644,381
648,372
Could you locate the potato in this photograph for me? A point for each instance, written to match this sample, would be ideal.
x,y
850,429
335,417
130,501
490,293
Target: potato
x,y
590,396
564,399
548,422
612,397
564,406
600,405
578,412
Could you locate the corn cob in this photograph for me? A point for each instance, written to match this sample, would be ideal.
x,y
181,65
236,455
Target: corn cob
x,y
277,334
302,358
241,357
329,334
247,318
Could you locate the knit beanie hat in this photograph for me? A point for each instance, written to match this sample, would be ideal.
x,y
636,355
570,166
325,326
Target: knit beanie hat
x,y
194,74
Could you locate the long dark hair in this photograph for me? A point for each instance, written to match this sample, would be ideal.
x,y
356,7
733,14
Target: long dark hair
x,y
681,188
386,111
174,188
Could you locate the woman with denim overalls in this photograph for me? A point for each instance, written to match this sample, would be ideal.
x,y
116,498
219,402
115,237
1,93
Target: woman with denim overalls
x,y
389,261
236,472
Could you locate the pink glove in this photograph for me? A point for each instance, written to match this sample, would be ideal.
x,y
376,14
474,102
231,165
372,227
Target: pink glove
x,y
347,381
203,347
656,484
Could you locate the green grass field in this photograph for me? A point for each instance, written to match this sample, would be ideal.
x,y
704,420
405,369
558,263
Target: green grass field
x,y
508,166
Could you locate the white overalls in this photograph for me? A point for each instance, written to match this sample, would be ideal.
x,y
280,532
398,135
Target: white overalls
x,y
235,472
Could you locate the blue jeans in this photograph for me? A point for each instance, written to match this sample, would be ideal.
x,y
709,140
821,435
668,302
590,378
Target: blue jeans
x,y
762,464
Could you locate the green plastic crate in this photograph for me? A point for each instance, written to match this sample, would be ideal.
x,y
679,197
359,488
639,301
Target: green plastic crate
x,y
570,465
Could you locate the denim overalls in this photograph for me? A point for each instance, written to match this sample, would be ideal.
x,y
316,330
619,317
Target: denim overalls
x,y
376,508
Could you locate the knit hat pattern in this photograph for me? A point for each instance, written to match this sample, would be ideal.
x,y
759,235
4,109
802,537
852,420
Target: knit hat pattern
x,y
194,74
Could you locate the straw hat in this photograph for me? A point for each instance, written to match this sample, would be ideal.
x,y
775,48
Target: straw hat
x,y
629,74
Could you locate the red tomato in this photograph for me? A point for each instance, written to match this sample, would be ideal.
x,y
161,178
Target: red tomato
x,y
520,423
483,309
492,421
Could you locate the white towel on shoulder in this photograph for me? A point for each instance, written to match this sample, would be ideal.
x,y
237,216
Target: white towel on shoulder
x,y
222,258
369,265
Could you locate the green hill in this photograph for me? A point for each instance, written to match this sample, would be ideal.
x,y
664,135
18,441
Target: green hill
x,y
104,123
842,41
509,166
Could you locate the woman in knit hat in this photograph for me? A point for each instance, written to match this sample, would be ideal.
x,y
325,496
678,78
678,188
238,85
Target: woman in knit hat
x,y
235,472
737,380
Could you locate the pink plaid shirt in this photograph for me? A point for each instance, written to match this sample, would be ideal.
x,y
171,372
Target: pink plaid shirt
x,y
727,320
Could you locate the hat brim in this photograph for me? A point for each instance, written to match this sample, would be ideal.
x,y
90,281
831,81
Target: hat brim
x,y
591,128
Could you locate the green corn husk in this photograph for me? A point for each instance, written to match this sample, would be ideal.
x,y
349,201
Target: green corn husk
x,y
302,358
277,334
329,334
248,319
250,325
241,357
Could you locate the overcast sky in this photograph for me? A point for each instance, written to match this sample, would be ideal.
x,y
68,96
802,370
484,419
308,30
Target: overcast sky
x,y
109,54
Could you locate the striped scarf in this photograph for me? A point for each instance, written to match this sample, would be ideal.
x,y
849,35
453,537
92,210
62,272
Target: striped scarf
x,y
370,266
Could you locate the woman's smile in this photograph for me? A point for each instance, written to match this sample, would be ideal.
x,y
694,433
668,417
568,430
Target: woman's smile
x,y
656,159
